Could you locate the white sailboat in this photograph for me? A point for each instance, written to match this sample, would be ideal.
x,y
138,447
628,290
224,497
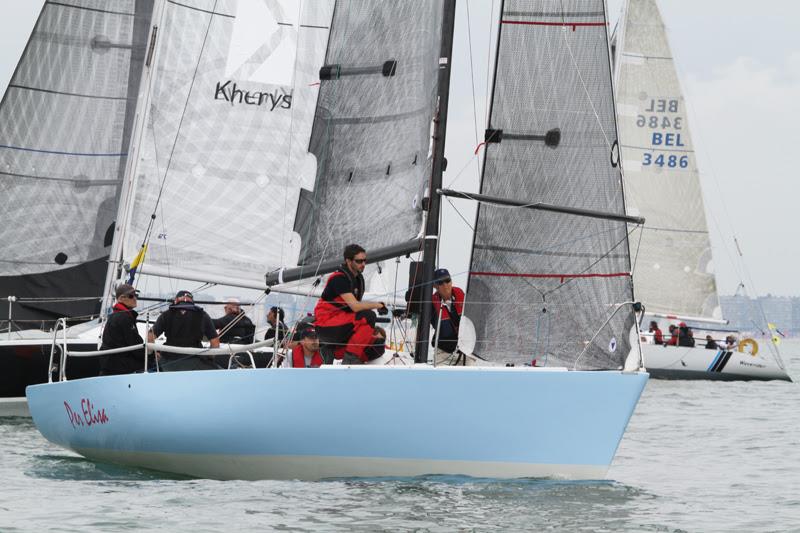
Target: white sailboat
x,y
674,272
549,278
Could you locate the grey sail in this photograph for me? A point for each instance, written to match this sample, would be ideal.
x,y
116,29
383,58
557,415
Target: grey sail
x,y
543,285
65,125
674,268
371,131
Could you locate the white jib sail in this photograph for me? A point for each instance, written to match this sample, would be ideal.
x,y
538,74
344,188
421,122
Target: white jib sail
x,y
224,150
673,269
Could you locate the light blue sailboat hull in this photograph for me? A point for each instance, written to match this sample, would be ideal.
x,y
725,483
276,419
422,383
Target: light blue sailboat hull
x,y
342,422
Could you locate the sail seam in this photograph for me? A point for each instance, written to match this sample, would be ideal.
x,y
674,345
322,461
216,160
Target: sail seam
x,y
87,182
553,14
554,275
543,23
657,149
80,95
57,152
200,9
96,10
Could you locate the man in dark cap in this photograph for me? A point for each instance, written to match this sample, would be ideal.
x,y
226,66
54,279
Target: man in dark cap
x,y
306,353
120,331
448,305
185,324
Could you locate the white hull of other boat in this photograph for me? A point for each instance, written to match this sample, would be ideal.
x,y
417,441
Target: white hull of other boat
x,y
681,362
341,421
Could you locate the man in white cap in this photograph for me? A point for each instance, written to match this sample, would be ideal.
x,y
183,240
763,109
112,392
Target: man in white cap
x,y
234,326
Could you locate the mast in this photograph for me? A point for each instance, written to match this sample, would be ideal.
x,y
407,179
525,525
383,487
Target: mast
x,y
115,267
434,201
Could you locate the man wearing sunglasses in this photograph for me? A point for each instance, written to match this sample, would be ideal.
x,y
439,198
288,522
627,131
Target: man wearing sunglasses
x,y
342,320
120,331
448,301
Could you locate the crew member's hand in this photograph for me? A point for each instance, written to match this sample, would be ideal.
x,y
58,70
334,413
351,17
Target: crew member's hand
x,y
383,310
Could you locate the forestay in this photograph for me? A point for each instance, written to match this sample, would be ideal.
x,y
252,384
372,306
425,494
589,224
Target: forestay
x,y
65,125
225,146
548,286
372,128
673,270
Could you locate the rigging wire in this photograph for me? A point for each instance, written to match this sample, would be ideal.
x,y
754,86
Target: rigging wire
x,y
180,123
583,85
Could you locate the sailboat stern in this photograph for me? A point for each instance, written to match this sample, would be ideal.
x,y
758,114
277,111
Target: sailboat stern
x,y
346,422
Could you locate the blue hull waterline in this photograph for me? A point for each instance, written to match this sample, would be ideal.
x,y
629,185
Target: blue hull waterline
x,y
346,422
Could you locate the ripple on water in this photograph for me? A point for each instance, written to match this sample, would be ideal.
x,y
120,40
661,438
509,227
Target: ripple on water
x,y
697,456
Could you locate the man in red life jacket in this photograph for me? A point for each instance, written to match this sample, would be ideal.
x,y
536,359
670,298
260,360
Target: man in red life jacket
x,y
449,302
341,318
673,339
306,353
658,337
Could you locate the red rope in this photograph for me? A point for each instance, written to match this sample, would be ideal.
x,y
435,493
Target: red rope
x,y
563,24
562,277
478,147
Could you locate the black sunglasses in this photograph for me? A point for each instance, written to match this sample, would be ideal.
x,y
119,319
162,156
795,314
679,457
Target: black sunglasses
x,y
359,261
443,281
131,295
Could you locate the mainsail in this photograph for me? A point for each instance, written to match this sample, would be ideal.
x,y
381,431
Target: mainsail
x,y
543,285
224,148
673,269
65,126
371,131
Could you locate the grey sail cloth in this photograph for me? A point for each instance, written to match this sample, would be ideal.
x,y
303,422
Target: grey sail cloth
x,y
543,285
371,131
674,268
65,125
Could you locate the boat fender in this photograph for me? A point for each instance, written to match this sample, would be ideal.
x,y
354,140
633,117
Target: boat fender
x,y
753,346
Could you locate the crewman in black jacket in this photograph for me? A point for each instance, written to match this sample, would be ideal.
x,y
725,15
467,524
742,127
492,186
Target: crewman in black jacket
x,y
121,331
234,326
185,324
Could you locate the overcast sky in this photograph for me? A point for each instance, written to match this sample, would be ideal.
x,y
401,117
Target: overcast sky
x,y
739,62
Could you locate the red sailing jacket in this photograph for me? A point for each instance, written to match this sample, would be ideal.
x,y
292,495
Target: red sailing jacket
x,y
331,312
458,297
299,360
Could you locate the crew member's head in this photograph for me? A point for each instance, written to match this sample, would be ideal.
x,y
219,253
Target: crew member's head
x,y
184,297
653,325
275,314
127,295
355,258
232,306
309,339
443,283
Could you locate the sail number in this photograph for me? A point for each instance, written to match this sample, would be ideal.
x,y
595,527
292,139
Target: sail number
x,y
662,160
656,121
661,114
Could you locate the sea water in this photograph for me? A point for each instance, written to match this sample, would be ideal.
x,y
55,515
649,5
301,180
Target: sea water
x,y
697,456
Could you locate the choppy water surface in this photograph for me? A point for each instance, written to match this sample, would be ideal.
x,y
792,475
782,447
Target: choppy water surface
x,y
697,456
